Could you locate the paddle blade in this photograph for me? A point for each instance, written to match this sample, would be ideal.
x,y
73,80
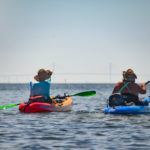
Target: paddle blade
x,y
85,94
8,106
147,82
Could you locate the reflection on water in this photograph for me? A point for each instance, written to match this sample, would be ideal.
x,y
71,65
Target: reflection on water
x,y
85,127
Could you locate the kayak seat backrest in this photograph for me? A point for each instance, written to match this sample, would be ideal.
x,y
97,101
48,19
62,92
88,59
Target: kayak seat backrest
x,y
116,100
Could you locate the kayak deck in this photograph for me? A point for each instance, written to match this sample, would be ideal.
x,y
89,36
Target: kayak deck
x,y
128,110
39,107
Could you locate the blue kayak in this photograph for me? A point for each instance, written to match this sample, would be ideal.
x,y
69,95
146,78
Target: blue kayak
x,y
129,109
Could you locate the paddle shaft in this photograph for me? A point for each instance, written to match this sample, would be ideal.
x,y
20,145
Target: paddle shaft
x,y
87,93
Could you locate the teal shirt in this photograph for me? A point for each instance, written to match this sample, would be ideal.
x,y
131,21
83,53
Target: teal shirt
x,y
41,88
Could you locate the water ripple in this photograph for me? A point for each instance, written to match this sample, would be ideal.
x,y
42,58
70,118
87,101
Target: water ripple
x,y
85,127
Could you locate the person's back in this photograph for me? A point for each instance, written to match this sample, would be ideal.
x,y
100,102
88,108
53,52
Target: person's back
x,y
41,88
131,88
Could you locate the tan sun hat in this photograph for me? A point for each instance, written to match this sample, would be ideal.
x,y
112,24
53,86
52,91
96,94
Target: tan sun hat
x,y
43,75
129,75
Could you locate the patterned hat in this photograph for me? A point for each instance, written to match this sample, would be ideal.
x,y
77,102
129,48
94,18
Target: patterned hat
x,y
129,75
43,75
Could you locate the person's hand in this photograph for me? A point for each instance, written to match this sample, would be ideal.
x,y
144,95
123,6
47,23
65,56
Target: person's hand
x,y
49,72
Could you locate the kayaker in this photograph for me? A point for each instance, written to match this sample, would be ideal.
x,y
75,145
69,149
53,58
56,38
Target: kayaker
x,y
129,89
41,89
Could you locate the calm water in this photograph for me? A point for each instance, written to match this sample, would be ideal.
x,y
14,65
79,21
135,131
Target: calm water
x,y
85,127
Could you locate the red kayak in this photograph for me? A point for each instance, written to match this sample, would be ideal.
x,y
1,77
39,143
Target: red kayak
x,y
39,107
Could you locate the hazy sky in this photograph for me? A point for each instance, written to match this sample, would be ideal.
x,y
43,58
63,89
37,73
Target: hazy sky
x,y
79,39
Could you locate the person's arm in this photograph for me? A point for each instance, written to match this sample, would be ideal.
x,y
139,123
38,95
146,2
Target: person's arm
x,y
116,88
49,80
143,86
141,89
50,74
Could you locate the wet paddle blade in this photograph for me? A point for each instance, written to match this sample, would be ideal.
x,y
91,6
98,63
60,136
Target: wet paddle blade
x,y
85,94
8,106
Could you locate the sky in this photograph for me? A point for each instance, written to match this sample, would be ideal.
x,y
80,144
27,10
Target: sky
x,y
81,41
